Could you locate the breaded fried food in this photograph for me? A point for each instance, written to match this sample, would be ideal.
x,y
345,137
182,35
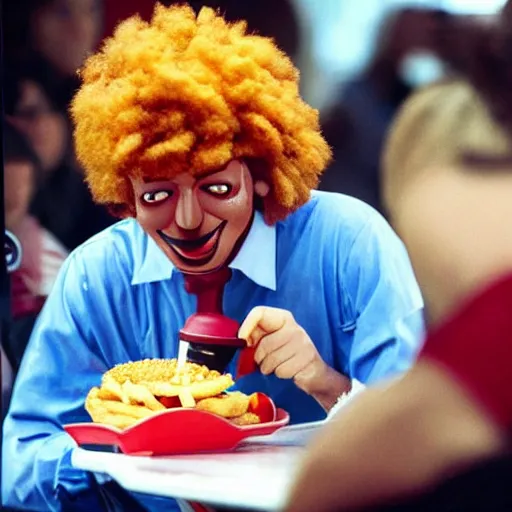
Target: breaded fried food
x,y
227,405
162,377
133,391
248,418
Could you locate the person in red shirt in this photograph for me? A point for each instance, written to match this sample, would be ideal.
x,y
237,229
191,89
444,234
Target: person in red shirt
x,y
454,408
440,437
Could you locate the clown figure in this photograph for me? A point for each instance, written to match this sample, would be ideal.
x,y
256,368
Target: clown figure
x,y
193,132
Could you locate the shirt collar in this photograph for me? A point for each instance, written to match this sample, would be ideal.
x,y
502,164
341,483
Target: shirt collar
x,y
256,259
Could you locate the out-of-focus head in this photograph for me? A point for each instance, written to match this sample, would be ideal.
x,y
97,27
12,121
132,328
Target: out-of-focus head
x,y
453,216
436,128
30,109
410,30
408,47
21,176
63,32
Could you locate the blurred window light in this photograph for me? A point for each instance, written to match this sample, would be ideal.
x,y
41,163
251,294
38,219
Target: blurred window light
x,y
473,6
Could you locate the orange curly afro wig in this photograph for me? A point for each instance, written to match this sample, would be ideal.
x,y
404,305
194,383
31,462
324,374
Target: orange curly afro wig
x,y
188,94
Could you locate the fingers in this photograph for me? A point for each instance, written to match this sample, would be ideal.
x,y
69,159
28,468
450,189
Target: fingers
x,y
270,343
291,368
284,353
282,346
270,362
262,321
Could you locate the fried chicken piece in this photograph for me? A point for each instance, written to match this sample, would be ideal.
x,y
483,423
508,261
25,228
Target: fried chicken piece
x,y
249,418
228,405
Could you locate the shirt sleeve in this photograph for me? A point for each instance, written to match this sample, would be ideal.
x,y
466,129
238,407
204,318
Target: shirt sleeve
x,y
61,363
475,347
385,303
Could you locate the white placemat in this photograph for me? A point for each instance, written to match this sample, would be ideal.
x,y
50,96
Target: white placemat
x,y
255,477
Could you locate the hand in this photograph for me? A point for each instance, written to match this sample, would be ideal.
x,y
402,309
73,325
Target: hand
x,y
283,347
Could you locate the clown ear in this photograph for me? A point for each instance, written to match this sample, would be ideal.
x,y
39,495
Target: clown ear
x,y
261,188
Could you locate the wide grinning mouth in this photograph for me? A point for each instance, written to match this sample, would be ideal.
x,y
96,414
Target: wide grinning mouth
x,y
198,251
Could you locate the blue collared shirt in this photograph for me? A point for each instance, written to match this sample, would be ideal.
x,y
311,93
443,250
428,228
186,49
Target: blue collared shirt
x,y
335,264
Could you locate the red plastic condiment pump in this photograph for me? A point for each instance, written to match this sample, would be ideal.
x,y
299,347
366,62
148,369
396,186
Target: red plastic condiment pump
x,y
208,336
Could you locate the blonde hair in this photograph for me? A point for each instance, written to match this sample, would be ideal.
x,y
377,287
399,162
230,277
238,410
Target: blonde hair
x,y
188,94
435,128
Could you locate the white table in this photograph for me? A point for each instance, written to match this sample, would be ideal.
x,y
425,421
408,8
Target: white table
x,y
258,476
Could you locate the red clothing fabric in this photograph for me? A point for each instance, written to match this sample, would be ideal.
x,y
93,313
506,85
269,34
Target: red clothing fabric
x,y
41,261
23,301
475,347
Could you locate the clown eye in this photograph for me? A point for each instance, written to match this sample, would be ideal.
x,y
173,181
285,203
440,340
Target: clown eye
x,y
156,197
218,189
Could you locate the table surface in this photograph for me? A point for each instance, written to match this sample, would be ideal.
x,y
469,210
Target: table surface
x,y
258,476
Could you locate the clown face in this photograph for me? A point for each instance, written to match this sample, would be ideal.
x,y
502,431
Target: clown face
x,y
199,222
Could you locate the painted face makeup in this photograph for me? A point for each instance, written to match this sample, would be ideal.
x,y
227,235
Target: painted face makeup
x,y
199,222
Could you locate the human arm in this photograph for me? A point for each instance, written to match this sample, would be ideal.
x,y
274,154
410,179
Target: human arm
x,y
62,362
461,378
446,414
392,442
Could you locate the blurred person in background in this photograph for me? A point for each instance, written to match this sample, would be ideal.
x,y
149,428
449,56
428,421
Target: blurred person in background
x,y
42,256
53,37
407,55
440,438
62,203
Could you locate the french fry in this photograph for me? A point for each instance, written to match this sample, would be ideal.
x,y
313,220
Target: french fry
x,y
186,398
138,394
134,411
111,390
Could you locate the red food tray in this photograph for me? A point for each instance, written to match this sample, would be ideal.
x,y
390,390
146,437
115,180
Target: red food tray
x,y
180,431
